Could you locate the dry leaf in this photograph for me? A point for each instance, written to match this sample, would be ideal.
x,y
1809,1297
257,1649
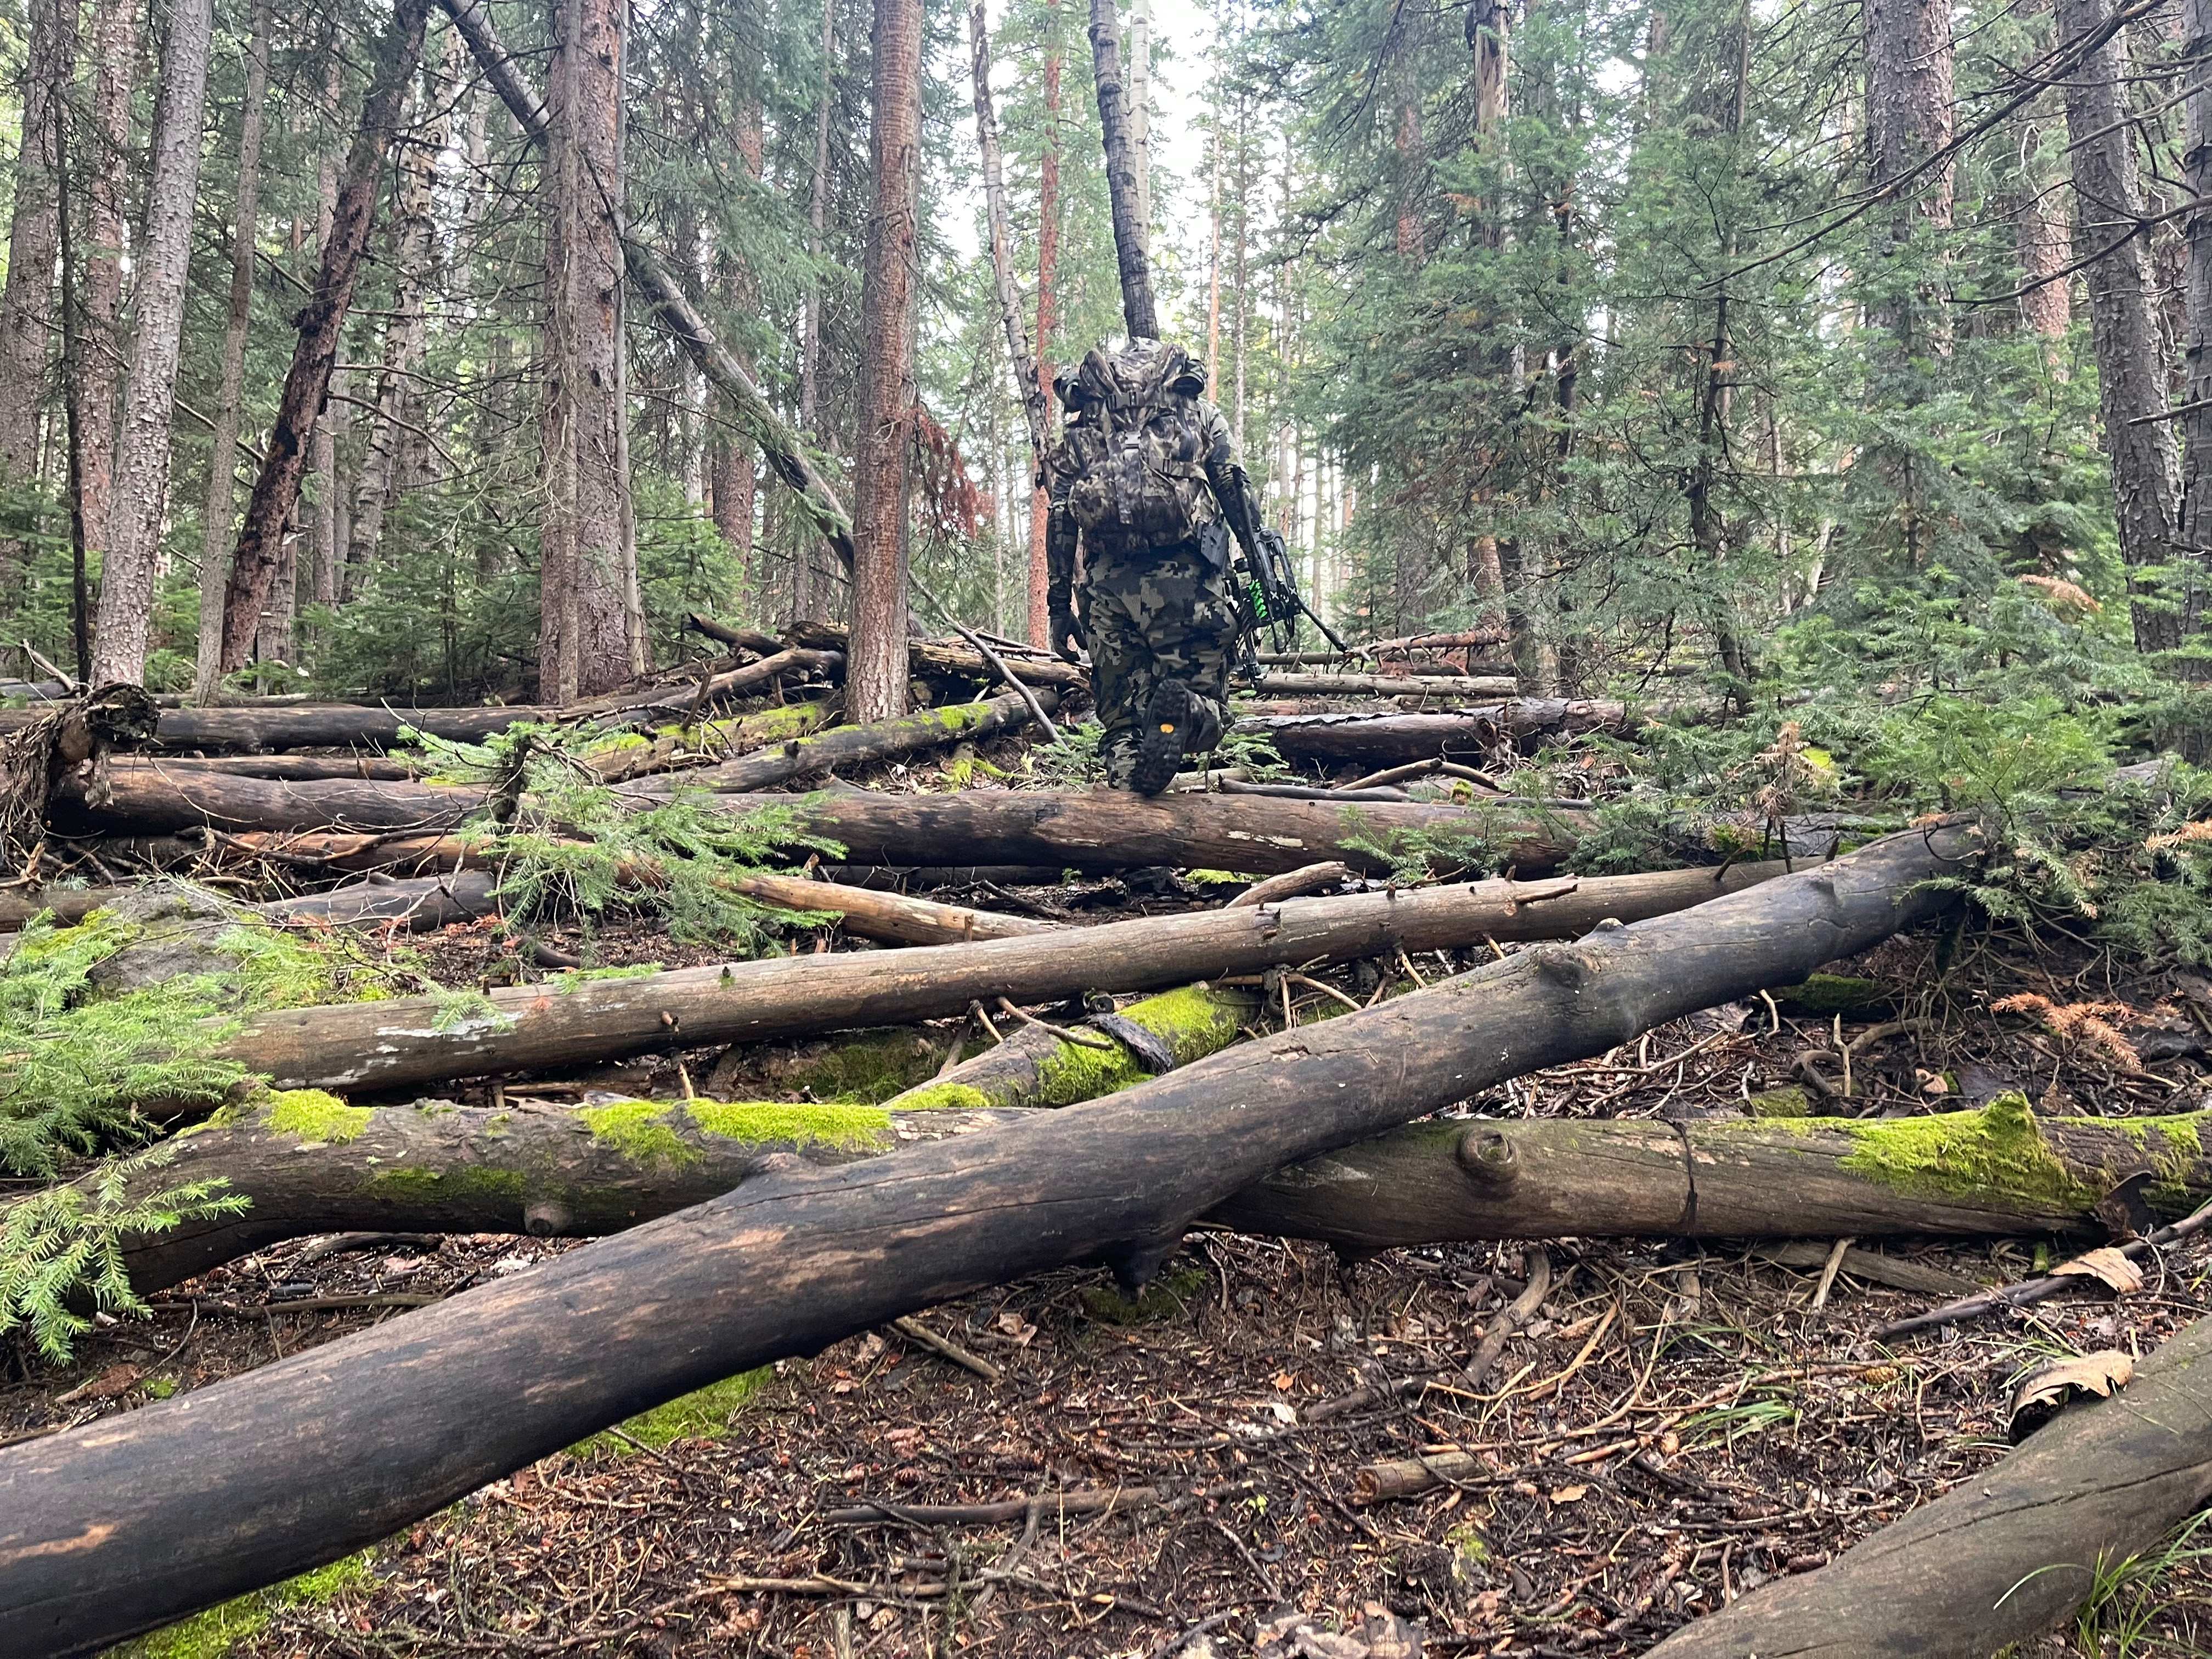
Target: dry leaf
x,y
2046,1389
2106,1265
1283,1381
1012,1324
1569,1494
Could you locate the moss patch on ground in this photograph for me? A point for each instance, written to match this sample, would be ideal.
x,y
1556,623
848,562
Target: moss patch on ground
x,y
1163,1299
211,1634
703,1414
1963,1155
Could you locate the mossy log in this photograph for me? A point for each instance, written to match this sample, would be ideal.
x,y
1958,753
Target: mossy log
x,y
416,905
1089,830
1997,1171
2007,1555
310,1163
857,745
126,1525
1033,1067
692,746
314,725
407,1042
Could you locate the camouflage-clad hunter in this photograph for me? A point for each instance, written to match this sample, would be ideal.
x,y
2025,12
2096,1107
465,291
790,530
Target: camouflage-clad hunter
x,y
1145,480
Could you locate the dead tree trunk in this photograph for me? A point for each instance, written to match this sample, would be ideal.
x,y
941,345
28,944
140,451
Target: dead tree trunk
x,y
126,1525
1026,380
1099,829
2006,1555
131,546
431,1166
1137,309
2197,399
277,491
27,310
106,169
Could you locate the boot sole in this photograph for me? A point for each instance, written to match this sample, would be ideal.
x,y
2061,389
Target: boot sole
x,y
1160,753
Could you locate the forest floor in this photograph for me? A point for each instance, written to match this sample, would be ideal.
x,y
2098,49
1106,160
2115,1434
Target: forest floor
x,y
1678,1424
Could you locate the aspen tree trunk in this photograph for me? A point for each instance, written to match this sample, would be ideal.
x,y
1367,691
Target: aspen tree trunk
x,y
277,491
1002,244
2196,231
876,675
584,632
222,459
2131,372
1138,312
107,166
415,169
27,309
141,447
1040,627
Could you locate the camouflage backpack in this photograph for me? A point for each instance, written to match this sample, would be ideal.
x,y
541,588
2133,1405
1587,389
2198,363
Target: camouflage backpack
x,y
1136,447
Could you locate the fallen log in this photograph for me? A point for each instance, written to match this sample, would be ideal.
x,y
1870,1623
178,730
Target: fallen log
x,y
1093,829
746,639
125,1524
678,698
2011,1551
300,769
939,659
708,743
859,745
1521,721
1382,686
419,904
314,725
1998,1172
407,1041
891,916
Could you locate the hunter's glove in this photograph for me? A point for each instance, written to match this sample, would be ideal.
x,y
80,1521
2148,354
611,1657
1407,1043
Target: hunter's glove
x,y
1066,625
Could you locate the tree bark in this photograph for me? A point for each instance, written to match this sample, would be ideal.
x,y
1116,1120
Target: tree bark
x,y
27,308
1382,686
1028,380
2131,366
943,660
584,632
394,1045
1140,112
734,483
2007,1555
189,1502
1908,103
406,334
131,546
1039,573
107,171
875,681
223,455
1136,306
2196,398
277,491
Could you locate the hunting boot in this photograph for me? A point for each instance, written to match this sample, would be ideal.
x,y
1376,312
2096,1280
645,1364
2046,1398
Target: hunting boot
x,y
1168,718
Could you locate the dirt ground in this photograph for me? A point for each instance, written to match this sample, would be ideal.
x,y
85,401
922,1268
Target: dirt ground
x,y
1677,1427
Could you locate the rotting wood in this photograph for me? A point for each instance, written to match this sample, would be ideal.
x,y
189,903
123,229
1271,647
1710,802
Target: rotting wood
x,y
126,1525
2009,1553
407,1041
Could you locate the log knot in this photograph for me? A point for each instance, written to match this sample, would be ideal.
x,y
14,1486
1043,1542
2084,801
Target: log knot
x,y
1489,1159
1566,966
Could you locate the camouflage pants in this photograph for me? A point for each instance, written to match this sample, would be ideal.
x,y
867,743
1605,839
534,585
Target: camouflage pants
x,y
1166,614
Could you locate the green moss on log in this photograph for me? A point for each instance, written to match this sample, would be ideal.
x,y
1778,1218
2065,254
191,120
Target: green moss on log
x,y
1996,1151
642,1131
944,1098
318,1118
466,1183
864,1068
847,1128
1788,1102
